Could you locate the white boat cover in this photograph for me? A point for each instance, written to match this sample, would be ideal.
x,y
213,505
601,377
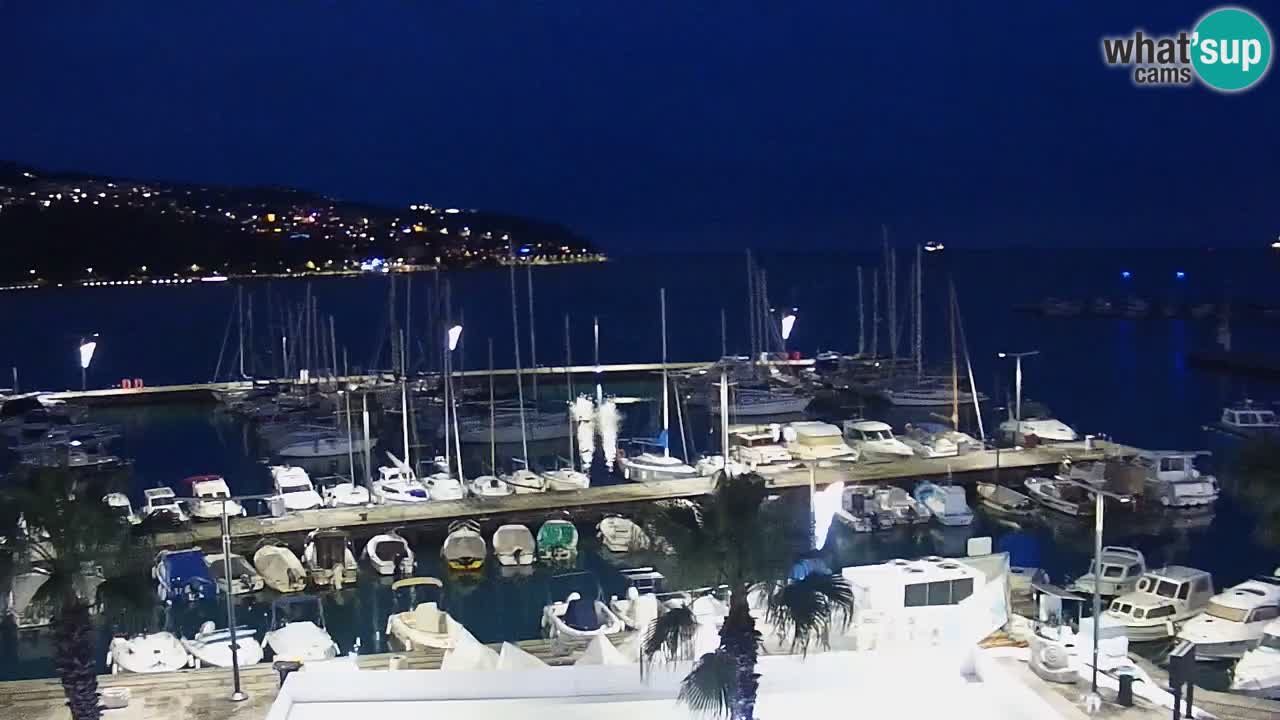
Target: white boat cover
x,y
512,657
602,652
514,545
469,654
279,567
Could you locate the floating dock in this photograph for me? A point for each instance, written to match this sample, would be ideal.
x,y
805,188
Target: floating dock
x,y
605,498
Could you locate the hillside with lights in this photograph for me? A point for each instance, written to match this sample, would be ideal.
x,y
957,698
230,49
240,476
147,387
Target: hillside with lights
x,y
71,229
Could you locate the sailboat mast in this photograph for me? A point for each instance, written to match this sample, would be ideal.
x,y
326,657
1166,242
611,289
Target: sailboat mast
x,y
404,406
724,418
751,309
891,292
919,302
875,314
955,382
666,412
862,320
595,332
515,335
568,382
493,420
724,334
240,327
533,345
964,345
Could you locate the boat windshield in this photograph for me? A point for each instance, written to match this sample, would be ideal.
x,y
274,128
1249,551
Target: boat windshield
x,y
1269,641
213,494
294,489
1167,589
821,440
1172,464
1112,571
239,567
877,434
1223,612
1266,418
330,550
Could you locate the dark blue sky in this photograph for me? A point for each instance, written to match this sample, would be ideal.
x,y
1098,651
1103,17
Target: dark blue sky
x,y
663,125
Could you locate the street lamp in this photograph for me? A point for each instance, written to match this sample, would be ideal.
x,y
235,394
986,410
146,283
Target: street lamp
x,y
788,324
87,348
1094,700
1017,378
451,343
237,695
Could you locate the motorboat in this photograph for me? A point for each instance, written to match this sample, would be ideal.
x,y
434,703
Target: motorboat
x,y
524,481
341,492
654,467
464,548
1045,429
565,479
620,535
244,579
294,486
1258,670
1162,600
507,427
638,606
928,394
280,569
488,486
874,440
1172,479
118,505
946,502
1004,500
182,576
1234,620
581,615
712,465
557,540
149,653
328,558
419,620
210,493
1121,569
398,485
758,448
812,440
929,440
297,631
390,554
759,402
1060,495
513,544
211,646
898,504
860,511
442,486
161,503
1246,420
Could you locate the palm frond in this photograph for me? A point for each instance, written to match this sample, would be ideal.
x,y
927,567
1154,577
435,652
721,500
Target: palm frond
x,y
712,686
670,637
808,608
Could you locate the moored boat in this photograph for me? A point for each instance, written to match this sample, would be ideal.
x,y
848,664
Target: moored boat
x,y
464,548
1060,496
1004,500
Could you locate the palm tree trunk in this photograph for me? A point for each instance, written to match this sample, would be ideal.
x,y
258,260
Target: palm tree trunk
x,y
739,638
75,660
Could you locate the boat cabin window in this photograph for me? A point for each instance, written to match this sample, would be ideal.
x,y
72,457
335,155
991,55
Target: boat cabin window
x,y
1172,464
819,440
1134,570
871,435
1112,571
1167,589
1223,612
1184,591
214,494
752,440
1120,607
1139,613
1163,611
1202,585
1266,418
1270,612
1269,641
942,592
294,488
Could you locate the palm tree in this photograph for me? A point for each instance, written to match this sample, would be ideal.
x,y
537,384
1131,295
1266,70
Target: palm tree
x,y
740,538
69,533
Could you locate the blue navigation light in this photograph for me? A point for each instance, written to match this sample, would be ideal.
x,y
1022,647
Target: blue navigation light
x,y
1126,274
524,250
1180,275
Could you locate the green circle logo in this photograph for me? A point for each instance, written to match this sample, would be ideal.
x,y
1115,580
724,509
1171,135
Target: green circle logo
x,y
1231,49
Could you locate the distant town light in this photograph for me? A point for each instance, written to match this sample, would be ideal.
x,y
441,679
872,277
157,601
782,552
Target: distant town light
x,y
1126,274
1180,275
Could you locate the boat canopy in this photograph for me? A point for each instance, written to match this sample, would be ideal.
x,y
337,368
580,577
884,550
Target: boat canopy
x,y
296,608
330,548
391,547
409,593
558,534
184,566
281,566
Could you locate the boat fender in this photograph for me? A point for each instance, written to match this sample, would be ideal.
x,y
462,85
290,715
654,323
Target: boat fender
x,y
337,576
137,383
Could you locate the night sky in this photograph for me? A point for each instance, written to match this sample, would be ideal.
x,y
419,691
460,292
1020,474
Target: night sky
x,y
663,125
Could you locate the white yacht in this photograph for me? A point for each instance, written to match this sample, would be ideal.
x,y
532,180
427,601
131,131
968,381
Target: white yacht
x,y
119,505
1258,670
398,485
513,544
1162,600
1173,480
926,442
929,394
1121,569
565,479
297,631
812,440
758,448
652,467
211,493
342,492
1235,618
1043,428
1246,420
1059,495
294,487
946,502
389,554
874,440
756,403
507,428
488,486
443,486
161,502
147,653
899,505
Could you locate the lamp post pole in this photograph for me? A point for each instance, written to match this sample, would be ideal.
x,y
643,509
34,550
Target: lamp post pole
x,y
237,695
1017,379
